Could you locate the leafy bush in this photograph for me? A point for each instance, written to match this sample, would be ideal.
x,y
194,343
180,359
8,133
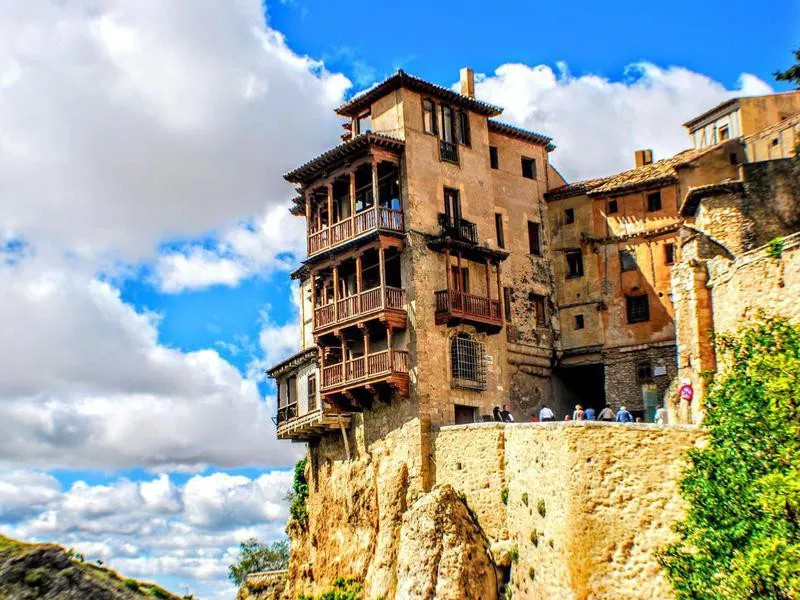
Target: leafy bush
x,y
37,577
157,592
343,589
514,554
255,557
504,495
131,584
775,248
298,495
741,535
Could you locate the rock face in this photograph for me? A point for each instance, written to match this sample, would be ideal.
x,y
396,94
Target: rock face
x,y
442,552
44,571
264,586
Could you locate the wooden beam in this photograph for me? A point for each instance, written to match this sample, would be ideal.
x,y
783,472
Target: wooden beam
x,y
500,293
375,181
352,193
330,206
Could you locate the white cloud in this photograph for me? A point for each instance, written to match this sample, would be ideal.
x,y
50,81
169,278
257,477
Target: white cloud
x,y
128,122
597,123
275,242
193,537
85,383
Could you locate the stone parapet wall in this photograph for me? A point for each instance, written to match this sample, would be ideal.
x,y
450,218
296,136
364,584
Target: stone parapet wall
x,y
267,585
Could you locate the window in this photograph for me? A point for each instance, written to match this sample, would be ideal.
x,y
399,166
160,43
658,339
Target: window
x,y
448,125
724,133
452,205
669,254
507,303
654,201
364,123
463,127
465,414
638,309
578,321
644,370
466,363
734,158
574,263
534,238
775,141
291,390
429,117
569,216
312,392
493,160
460,283
627,260
528,167
498,227
539,307
612,207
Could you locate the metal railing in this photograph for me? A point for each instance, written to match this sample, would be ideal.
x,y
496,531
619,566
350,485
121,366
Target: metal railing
x,y
377,217
448,151
458,229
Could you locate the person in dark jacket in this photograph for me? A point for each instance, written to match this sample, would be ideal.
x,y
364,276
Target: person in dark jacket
x,y
497,415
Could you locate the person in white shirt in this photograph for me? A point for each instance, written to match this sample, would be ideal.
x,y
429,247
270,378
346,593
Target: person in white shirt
x,y
546,414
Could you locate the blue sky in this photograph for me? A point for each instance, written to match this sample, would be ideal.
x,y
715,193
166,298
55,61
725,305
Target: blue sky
x,y
147,246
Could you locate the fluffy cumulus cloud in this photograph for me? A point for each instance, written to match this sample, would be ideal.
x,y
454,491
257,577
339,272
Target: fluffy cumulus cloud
x,y
153,528
126,122
598,123
86,383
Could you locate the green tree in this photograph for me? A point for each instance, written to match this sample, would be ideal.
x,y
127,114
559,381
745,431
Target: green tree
x,y
298,495
741,535
255,557
792,74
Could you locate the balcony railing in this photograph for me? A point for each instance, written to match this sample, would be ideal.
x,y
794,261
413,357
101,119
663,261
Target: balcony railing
x,y
364,368
286,413
448,151
456,304
458,229
377,217
360,305
311,424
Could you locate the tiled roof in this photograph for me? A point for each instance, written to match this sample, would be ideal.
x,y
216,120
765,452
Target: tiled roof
x,y
356,105
655,174
723,106
696,194
294,361
326,160
521,134
779,126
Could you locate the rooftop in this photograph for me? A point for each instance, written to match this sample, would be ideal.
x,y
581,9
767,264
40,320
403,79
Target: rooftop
x,y
696,194
360,102
521,134
728,106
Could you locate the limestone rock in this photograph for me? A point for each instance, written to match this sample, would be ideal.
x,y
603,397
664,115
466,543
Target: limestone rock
x,y
442,552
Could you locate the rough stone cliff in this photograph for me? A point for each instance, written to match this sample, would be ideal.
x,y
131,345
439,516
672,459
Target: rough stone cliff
x,y
46,571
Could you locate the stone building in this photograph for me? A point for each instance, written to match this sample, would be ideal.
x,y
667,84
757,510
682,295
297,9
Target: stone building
x,y
614,242
427,291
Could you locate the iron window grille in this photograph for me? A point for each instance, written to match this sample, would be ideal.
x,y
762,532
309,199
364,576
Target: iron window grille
x,y
468,368
638,309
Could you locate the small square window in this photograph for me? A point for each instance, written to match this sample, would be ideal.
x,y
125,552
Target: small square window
x,y
654,201
612,207
644,370
569,215
627,260
724,133
734,158
574,263
669,254
494,162
638,309
528,167
578,321
775,142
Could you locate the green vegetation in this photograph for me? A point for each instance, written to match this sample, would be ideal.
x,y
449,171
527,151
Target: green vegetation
x,y
255,557
535,537
514,554
775,248
792,74
131,584
741,536
504,495
298,495
525,498
343,589
541,508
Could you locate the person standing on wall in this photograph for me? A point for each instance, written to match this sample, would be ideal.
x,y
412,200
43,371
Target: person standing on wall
x,y
606,414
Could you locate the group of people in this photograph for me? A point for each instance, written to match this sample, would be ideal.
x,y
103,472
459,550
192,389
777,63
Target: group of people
x,y
623,415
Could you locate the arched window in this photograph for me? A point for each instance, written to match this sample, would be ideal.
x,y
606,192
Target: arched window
x,y
467,365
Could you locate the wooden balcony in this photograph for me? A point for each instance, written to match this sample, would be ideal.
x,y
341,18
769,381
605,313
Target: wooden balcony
x,y
355,308
310,425
453,307
377,218
388,366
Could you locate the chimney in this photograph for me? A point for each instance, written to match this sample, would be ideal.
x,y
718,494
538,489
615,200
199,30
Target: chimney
x,y
643,157
467,82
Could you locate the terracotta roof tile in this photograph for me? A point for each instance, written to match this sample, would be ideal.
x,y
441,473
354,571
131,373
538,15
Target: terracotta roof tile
x,y
362,101
521,134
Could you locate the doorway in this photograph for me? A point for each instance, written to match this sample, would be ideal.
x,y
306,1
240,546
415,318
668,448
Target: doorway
x,y
581,384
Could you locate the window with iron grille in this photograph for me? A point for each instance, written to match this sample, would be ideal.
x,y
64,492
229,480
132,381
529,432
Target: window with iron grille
x,y
312,392
627,260
467,366
638,309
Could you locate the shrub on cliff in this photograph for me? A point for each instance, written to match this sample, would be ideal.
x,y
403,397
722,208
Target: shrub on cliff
x,y
255,557
298,495
741,535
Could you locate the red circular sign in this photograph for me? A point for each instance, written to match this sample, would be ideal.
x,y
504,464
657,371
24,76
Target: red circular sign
x,y
687,392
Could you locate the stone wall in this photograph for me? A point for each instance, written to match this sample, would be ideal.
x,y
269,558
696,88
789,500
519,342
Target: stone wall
x,y
561,510
268,585
623,384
